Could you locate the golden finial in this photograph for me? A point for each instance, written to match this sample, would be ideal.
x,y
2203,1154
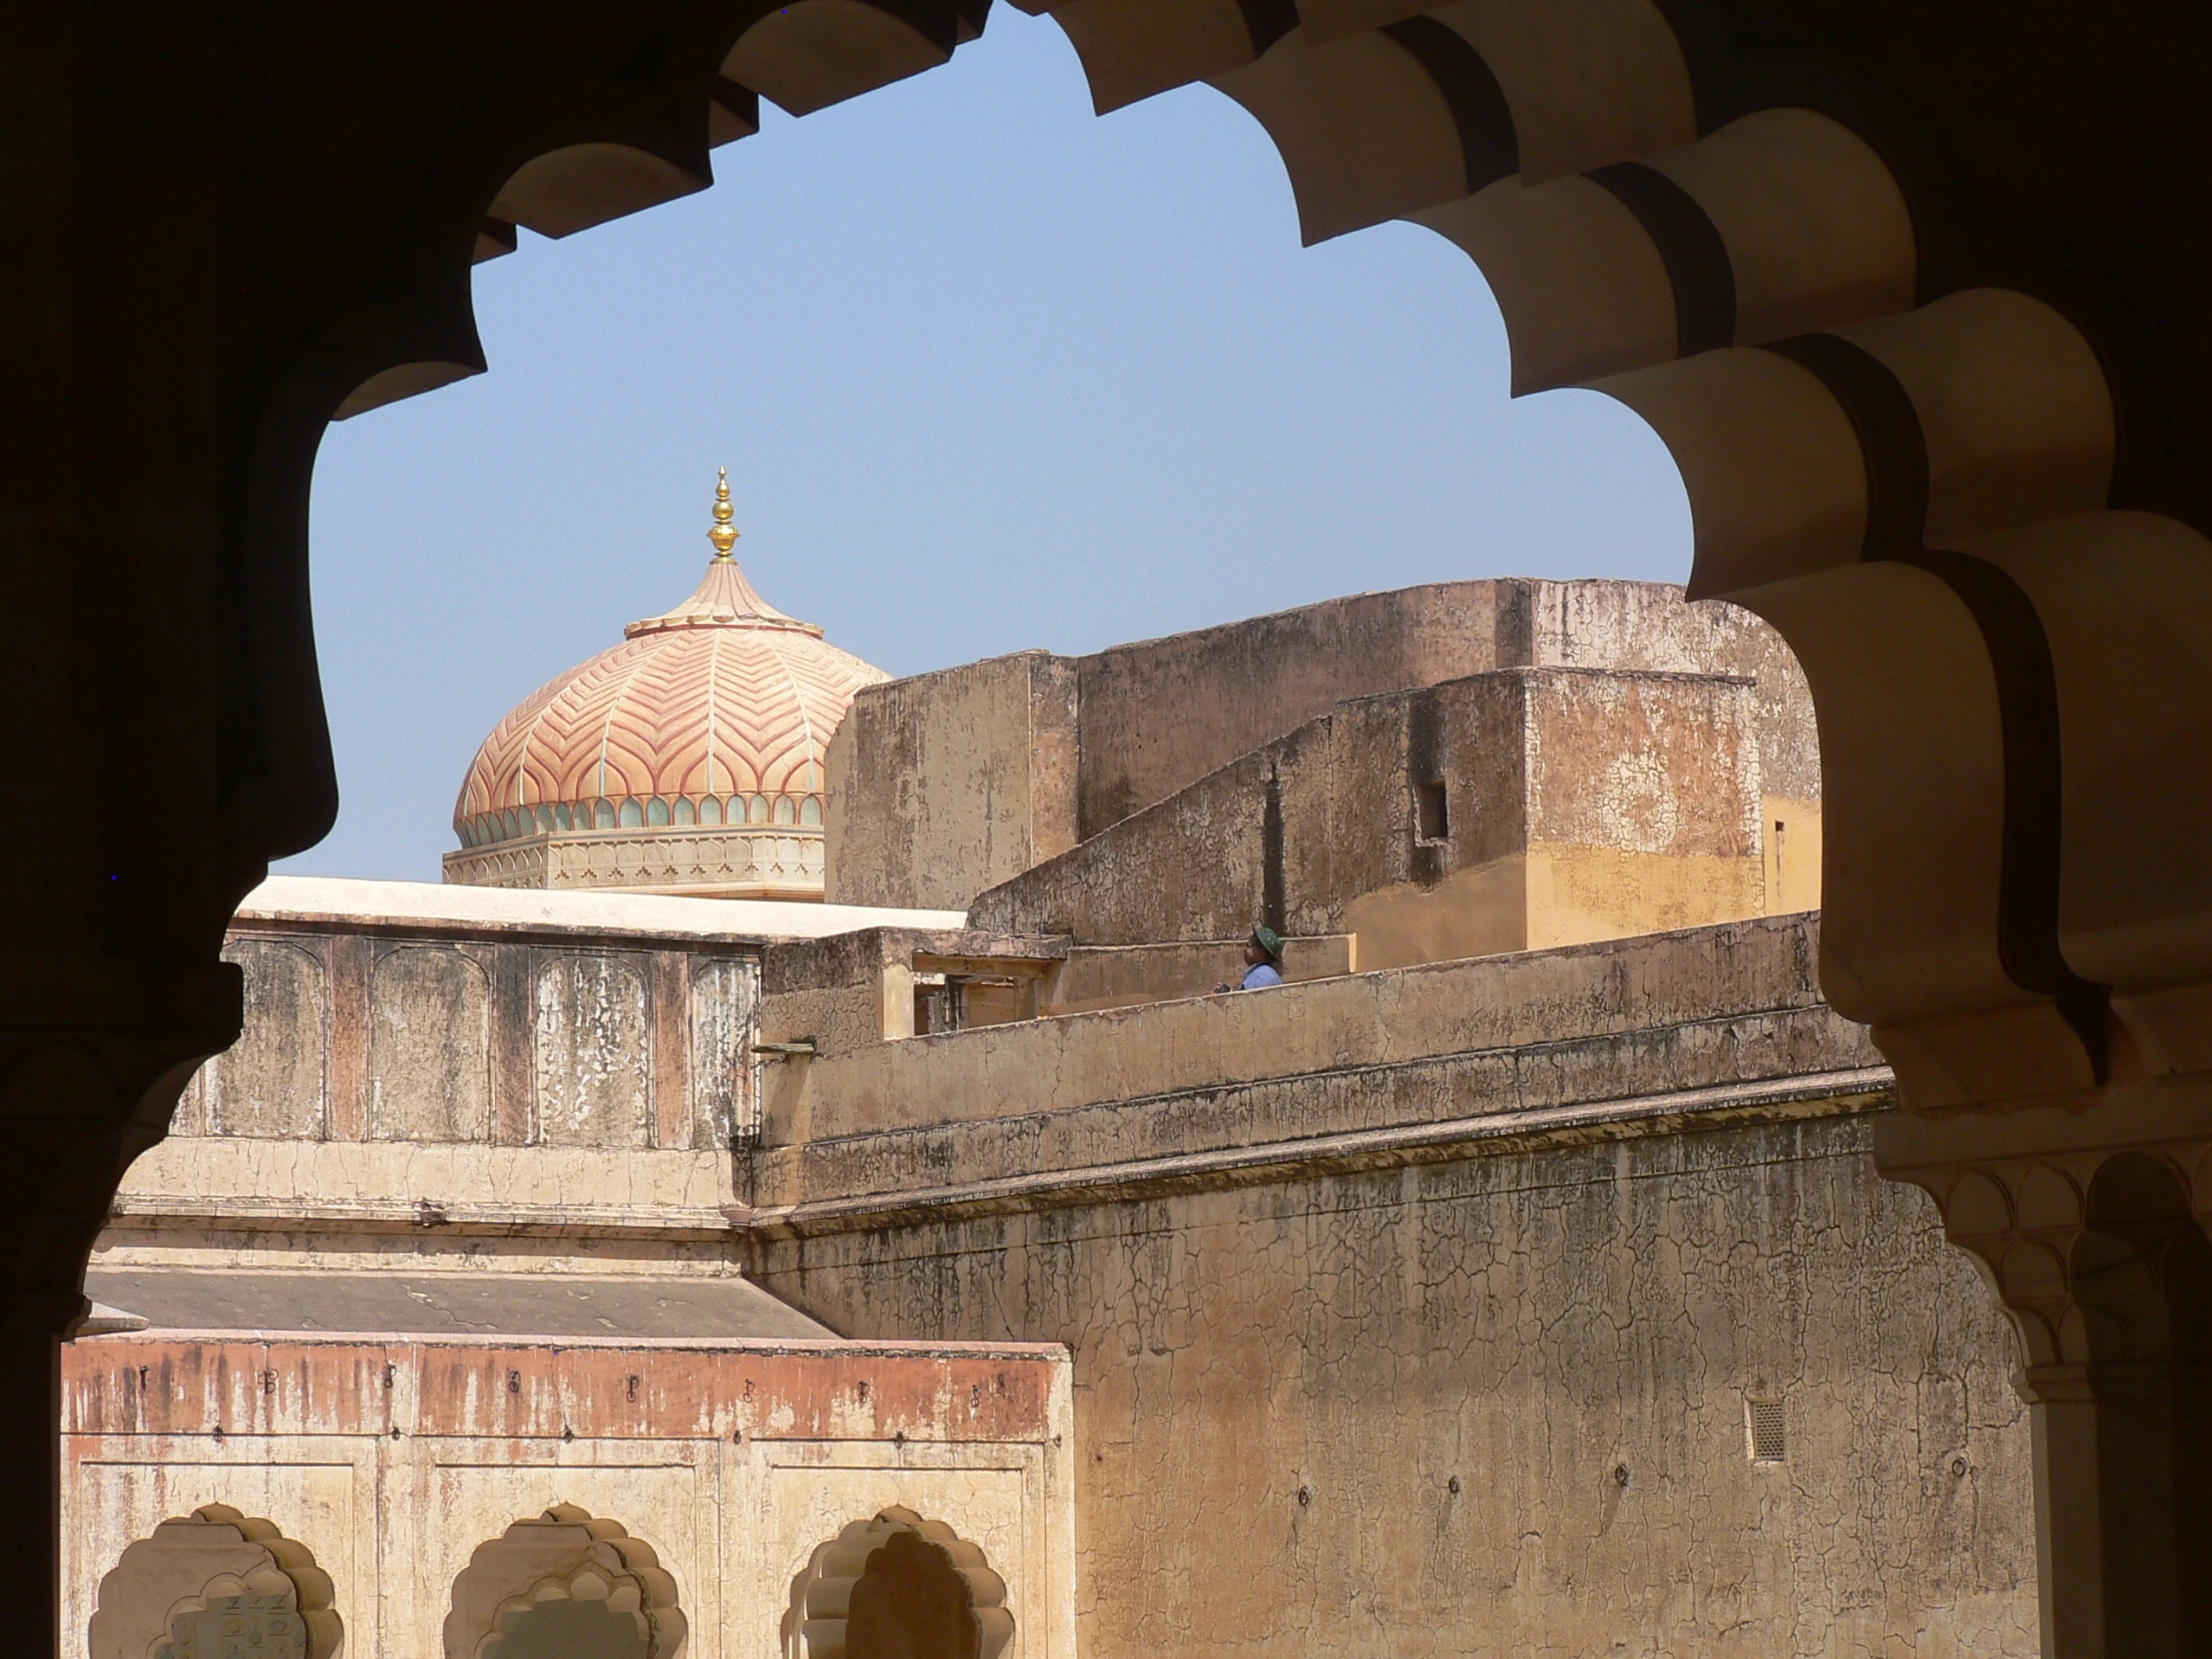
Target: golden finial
x,y
725,534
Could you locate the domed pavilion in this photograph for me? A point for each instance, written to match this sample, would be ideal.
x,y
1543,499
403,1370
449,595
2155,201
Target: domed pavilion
x,y
686,759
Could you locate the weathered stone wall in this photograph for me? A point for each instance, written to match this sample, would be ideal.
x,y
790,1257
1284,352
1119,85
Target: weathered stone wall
x,y
1160,713
1575,805
356,1036
1648,625
1423,1310
946,783
1392,1411
415,1052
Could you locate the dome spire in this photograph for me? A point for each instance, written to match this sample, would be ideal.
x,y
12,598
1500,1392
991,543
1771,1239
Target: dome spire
x,y
725,534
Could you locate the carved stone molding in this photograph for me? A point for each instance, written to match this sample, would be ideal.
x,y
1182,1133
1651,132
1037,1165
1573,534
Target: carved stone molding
x,y
2087,1224
2050,1201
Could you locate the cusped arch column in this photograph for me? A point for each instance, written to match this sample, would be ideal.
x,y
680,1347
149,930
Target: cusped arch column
x,y
897,1586
2100,1258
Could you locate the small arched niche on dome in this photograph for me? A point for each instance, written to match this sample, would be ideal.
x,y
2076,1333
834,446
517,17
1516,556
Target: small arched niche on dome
x,y
656,764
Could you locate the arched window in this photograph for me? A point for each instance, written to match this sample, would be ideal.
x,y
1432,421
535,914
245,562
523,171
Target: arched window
x,y
655,812
921,1591
685,812
214,1583
756,809
632,815
565,1584
787,810
709,808
603,814
809,810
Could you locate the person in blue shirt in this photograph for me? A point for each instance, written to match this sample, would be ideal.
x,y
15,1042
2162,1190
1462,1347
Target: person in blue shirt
x,y
1263,957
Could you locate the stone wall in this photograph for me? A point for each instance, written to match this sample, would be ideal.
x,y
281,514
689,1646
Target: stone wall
x,y
356,1036
947,784
1428,1309
1522,808
515,1060
1161,714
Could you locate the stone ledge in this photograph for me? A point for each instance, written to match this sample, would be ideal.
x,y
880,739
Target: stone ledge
x,y
285,903
1818,1095
1612,991
671,1225
386,1186
1761,1050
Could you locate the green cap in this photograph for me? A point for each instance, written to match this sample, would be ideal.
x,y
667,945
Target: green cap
x,y
1269,940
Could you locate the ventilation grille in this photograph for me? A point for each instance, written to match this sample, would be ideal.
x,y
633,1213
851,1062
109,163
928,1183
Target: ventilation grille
x,y
1768,1441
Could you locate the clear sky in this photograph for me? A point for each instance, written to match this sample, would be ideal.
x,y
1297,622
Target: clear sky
x,y
988,373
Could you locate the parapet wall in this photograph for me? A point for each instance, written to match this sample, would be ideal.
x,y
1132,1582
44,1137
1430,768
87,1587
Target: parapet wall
x,y
417,1054
1729,1008
1160,713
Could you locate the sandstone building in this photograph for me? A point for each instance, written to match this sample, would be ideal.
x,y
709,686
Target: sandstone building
x,y
620,1268
1914,306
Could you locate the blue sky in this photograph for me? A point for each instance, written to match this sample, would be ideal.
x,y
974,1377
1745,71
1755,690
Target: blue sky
x,y
988,373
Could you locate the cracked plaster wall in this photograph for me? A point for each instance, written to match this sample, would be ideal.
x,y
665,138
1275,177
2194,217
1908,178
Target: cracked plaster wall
x,y
1581,805
1278,1385
945,785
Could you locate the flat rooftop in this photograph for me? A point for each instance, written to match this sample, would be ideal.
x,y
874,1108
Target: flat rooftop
x,y
343,902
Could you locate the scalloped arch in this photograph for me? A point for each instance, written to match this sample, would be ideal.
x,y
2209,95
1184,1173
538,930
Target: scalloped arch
x,y
563,1555
1758,276
828,1596
152,1602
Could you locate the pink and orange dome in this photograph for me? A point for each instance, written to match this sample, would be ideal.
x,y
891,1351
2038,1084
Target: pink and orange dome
x,y
715,713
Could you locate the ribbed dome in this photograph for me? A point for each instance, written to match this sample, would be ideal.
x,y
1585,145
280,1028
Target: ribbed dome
x,y
716,713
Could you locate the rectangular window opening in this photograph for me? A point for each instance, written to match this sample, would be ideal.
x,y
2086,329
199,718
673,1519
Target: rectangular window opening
x,y
936,1005
1768,1441
1431,811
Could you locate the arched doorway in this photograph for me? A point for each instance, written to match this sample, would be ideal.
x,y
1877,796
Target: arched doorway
x,y
565,1584
897,1586
213,1583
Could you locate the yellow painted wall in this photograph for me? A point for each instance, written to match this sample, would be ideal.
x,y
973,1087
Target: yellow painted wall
x,y
1555,894
1478,912
1578,895
1790,840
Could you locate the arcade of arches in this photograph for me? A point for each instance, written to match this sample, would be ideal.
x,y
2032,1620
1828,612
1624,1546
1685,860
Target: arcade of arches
x,y
563,1585
1916,296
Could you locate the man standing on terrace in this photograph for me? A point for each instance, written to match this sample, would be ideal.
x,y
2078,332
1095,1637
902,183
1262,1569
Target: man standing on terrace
x,y
1263,957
